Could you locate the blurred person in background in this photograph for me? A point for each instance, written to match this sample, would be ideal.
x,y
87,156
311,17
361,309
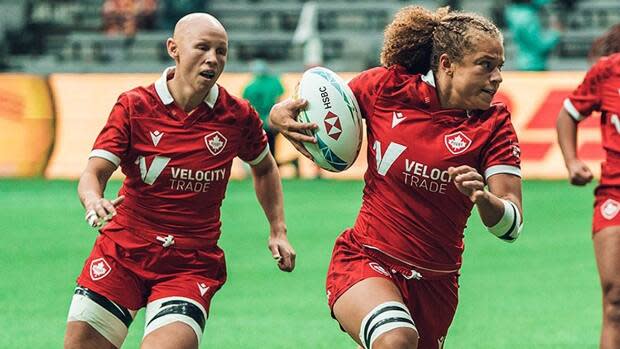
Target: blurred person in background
x,y
437,147
263,92
534,43
125,17
175,141
600,92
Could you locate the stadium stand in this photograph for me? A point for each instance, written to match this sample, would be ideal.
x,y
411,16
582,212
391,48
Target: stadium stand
x,y
67,36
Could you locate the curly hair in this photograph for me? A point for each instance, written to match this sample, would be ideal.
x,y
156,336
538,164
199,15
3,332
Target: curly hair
x,y
417,37
606,44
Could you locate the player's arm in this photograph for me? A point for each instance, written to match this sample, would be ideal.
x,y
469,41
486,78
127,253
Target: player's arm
x,y
91,188
499,206
578,172
268,189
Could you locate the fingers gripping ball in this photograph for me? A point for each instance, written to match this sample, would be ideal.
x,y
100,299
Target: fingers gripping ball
x,y
333,107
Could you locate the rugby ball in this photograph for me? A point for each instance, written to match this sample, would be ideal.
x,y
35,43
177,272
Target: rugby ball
x,y
333,107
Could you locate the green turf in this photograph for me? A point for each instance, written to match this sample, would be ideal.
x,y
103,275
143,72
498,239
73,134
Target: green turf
x,y
541,292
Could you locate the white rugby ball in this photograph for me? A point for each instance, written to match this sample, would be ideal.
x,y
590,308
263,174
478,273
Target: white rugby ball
x,y
333,107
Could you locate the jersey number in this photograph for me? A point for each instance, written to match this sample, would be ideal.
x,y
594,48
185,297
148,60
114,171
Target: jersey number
x,y
149,174
385,161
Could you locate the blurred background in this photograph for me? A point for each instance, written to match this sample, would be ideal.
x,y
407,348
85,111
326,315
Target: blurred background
x,y
63,64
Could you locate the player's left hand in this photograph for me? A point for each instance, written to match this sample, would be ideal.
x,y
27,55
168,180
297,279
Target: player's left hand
x,y
283,118
469,182
282,252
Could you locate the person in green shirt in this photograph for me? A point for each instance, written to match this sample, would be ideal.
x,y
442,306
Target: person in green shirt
x,y
263,92
534,43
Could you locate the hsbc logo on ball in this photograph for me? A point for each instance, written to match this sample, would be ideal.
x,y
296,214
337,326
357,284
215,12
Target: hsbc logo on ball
x,y
215,142
332,125
457,142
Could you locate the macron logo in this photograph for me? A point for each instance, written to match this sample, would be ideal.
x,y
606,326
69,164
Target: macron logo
x,y
156,137
385,161
397,118
203,289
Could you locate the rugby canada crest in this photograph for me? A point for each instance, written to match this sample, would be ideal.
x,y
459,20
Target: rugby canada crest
x,y
215,142
610,208
457,142
99,269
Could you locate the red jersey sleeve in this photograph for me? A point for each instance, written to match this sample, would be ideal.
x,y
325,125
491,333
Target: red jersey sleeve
x,y
255,147
586,98
112,143
502,154
366,88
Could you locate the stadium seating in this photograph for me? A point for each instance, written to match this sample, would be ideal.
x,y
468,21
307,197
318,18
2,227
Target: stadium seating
x,y
70,36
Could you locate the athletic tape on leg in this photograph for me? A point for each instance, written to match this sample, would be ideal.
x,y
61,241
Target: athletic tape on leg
x,y
165,311
383,318
106,317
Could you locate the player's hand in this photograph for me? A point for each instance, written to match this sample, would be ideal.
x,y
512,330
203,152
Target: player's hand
x,y
283,117
282,252
100,211
469,182
579,173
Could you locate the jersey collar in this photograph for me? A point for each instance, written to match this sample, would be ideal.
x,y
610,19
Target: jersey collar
x,y
429,78
161,87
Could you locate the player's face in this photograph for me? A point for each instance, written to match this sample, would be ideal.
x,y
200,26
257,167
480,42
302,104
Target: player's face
x,y
202,56
477,77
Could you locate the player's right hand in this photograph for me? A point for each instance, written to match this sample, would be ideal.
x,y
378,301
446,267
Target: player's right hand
x,y
101,211
579,173
283,117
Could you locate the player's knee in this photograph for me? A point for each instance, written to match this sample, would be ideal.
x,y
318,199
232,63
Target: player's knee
x,y
388,325
86,338
399,338
611,293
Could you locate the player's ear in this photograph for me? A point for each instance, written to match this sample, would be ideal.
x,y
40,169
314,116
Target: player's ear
x,y
446,65
172,48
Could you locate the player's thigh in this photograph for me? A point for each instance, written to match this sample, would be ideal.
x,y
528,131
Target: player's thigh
x,y
371,308
183,317
607,252
95,321
174,335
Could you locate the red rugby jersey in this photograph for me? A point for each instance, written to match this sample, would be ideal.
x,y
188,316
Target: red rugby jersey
x,y
177,165
410,210
600,91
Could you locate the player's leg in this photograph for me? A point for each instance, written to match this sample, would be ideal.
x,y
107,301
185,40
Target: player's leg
x,y
178,307
174,322
374,314
95,321
366,299
607,251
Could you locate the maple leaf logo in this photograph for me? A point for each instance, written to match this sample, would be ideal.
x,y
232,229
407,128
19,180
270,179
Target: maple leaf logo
x,y
215,142
99,268
457,142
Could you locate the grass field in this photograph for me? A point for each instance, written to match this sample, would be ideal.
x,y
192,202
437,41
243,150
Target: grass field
x,y
541,292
